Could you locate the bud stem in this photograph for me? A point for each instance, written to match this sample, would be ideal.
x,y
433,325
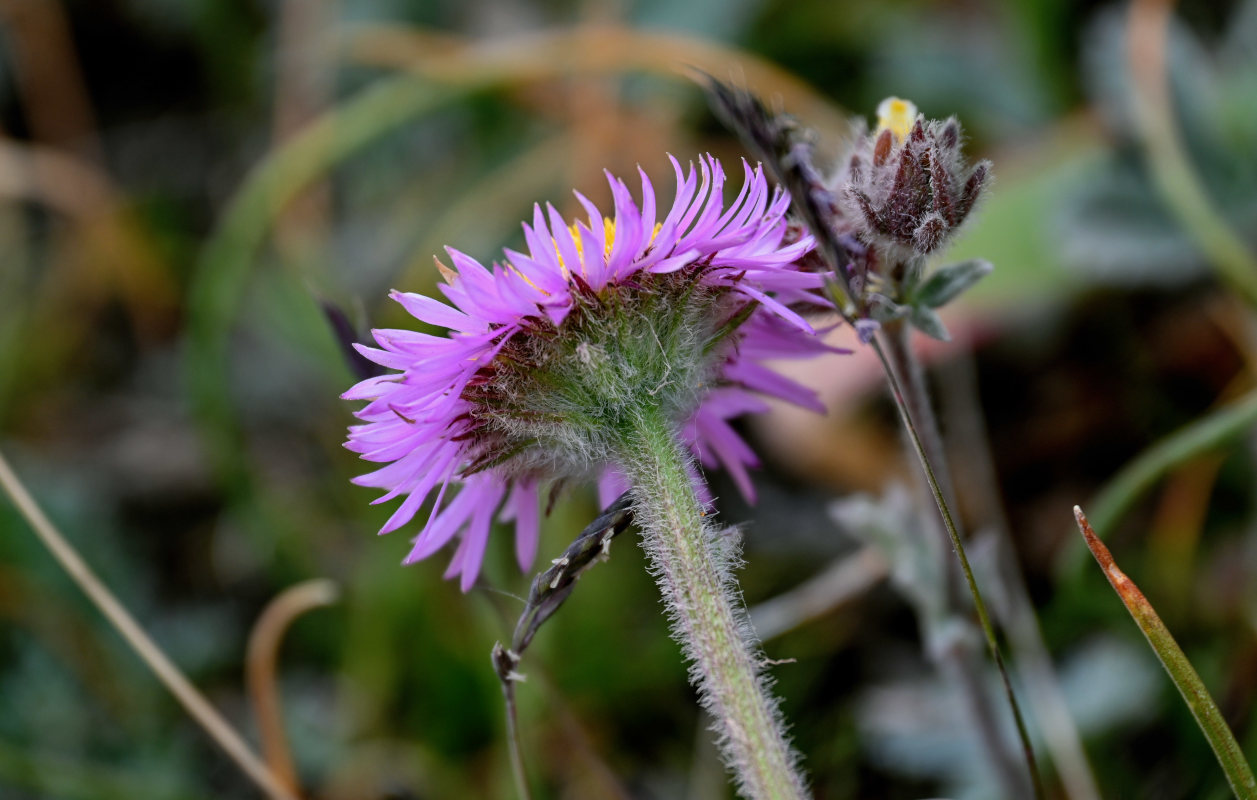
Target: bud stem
x,y
910,370
693,567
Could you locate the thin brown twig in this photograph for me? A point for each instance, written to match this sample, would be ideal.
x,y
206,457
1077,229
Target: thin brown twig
x,y
261,659
49,76
64,182
195,703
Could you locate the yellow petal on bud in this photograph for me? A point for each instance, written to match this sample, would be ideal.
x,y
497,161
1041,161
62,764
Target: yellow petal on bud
x,y
897,116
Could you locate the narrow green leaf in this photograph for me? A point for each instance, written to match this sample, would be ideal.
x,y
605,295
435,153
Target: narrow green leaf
x,y
950,281
1209,433
926,321
1189,685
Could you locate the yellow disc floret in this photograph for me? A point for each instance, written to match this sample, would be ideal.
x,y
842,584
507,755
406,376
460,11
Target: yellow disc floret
x,y
608,229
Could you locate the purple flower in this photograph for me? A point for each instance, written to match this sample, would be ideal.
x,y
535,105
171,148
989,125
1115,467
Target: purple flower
x,y
549,350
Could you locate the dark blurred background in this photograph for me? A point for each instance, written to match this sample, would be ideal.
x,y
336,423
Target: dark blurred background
x,y
193,191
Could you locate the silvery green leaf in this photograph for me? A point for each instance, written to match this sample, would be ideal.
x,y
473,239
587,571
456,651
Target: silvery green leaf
x,y
948,282
926,321
892,524
883,309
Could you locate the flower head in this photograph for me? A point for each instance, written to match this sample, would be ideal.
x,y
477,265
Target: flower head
x,y
550,352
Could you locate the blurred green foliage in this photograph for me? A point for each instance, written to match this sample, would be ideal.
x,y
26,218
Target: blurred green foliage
x,y
183,185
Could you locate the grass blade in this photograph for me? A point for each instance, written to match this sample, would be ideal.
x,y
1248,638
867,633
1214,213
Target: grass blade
x,y
1210,432
1206,712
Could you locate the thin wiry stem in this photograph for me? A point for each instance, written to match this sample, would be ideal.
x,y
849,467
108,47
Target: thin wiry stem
x,y
514,744
962,664
917,396
549,590
906,368
1046,698
984,618
188,696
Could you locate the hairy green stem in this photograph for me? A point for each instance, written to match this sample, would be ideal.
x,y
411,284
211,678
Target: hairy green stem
x,y
692,562
944,508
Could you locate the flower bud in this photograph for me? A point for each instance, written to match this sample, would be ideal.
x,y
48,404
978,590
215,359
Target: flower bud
x,y
908,183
